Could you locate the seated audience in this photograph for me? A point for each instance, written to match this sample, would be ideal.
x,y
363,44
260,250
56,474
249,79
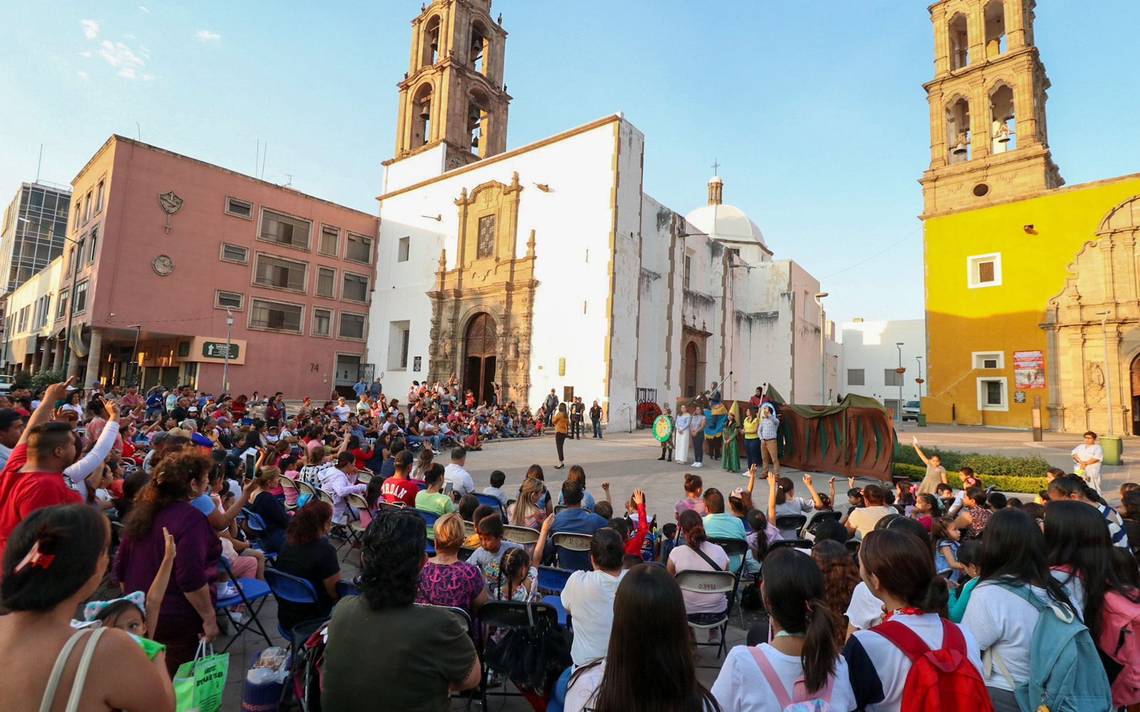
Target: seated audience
x,y
308,554
444,579
589,597
699,554
862,521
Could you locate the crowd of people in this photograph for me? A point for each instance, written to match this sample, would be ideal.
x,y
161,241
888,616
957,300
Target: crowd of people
x,y
905,593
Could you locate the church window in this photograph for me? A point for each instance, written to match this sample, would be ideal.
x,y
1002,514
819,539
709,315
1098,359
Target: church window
x,y
984,270
403,249
431,42
1003,120
421,116
995,28
959,42
958,131
486,245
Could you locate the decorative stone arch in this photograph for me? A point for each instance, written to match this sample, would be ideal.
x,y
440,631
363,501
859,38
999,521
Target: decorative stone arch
x,y
423,109
1097,314
959,125
958,40
1001,99
694,359
431,39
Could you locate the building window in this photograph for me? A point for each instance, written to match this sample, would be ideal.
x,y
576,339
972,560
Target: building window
x,y
94,245
99,197
80,300
326,282
856,377
351,326
322,322
399,336
61,309
687,275
284,230
984,270
359,249
275,316
486,246
355,288
228,300
239,208
988,359
403,249
234,253
87,207
891,377
280,274
992,394
330,236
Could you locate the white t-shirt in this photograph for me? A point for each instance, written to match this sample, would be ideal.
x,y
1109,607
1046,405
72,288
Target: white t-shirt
x,y
864,519
342,412
878,669
685,559
459,478
865,611
742,687
1003,621
589,597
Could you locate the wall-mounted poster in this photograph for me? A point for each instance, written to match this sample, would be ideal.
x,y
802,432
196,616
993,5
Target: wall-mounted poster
x,y
1028,369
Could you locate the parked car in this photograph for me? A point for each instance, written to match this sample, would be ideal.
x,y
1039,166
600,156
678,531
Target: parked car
x,y
910,411
5,384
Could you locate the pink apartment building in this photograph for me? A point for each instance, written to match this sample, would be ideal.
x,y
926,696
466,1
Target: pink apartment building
x,y
164,247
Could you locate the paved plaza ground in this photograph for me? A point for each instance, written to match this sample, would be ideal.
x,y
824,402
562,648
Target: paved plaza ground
x,y
628,461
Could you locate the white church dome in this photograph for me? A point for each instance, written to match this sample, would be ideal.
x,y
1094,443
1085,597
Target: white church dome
x,y
723,222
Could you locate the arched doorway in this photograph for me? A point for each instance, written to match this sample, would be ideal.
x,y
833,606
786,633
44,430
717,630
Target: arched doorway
x,y
690,367
1135,373
479,356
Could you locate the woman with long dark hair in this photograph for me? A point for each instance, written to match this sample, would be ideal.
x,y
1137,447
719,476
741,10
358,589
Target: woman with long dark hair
x,y
649,664
804,645
699,554
307,553
898,568
1001,620
381,640
187,611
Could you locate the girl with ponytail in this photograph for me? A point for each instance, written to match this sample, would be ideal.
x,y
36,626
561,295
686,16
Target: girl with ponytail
x,y
802,661
699,554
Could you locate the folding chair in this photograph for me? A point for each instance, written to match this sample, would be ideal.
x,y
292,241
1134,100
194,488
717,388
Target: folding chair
x,y
290,486
428,517
791,543
818,517
363,478
551,579
254,526
790,524
572,550
520,535
390,506
359,524
510,615
324,497
722,582
290,589
736,547
249,591
469,529
491,501
465,618
305,491
853,546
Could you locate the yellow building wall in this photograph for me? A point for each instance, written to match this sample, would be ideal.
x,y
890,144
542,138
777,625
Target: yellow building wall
x,y
1006,318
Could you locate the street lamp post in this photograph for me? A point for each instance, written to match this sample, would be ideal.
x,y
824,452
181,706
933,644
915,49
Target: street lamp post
x,y
819,297
901,371
226,364
918,377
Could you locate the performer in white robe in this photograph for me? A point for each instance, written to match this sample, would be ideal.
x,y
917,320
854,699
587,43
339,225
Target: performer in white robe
x,y
681,436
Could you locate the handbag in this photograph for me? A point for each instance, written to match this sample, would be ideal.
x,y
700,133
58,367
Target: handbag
x,y
73,700
533,657
198,684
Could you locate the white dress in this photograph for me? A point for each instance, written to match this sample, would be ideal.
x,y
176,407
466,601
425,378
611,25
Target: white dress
x,y
682,439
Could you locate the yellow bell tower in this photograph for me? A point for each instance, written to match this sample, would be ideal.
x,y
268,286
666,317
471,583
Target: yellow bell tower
x,y
988,138
453,92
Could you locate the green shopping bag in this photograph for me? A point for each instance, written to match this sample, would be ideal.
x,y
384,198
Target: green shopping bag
x,y
198,685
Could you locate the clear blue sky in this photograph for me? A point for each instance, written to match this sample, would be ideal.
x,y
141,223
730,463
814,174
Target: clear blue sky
x,y
814,109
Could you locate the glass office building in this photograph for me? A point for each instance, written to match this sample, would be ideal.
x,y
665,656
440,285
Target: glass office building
x,y
33,231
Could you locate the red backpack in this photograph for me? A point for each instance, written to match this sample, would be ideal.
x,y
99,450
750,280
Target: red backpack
x,y
1120,641
939,680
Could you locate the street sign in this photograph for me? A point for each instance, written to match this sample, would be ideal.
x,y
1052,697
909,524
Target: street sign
x,y
214,349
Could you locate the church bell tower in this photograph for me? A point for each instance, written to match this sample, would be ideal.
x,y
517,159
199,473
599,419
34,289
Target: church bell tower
x,y
988,139
453,92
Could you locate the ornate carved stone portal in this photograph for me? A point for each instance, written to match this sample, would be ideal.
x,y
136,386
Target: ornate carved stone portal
x,y
1098,310
482,309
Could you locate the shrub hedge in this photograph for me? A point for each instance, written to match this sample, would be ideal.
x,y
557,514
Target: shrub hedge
x,y
1004,483
991,465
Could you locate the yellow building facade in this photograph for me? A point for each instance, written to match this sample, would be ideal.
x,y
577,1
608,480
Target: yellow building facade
x,y
1032,292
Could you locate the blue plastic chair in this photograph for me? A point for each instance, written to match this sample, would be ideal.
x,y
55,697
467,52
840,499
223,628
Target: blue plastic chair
x,y
249,592
291,589
555,602
490,500
429,517
551,579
